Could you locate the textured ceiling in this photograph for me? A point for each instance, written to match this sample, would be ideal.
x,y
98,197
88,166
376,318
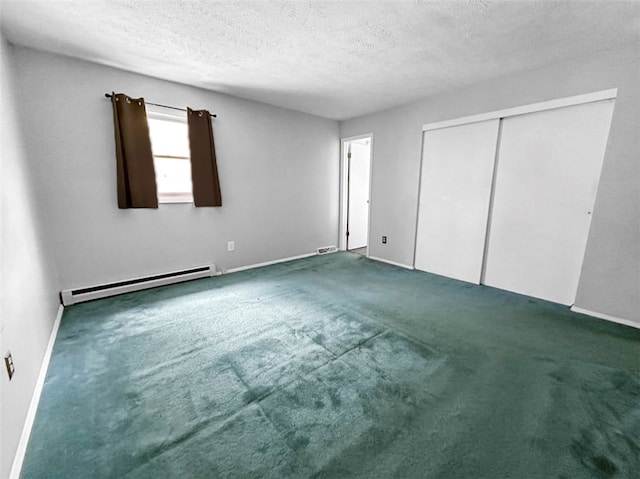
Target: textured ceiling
x,y
333,59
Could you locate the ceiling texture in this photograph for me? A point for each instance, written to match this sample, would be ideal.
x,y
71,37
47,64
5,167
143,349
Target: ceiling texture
x,y
336,59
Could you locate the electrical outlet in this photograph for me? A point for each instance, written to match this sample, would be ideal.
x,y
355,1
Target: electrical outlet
x,y
384,240
231,246
8,362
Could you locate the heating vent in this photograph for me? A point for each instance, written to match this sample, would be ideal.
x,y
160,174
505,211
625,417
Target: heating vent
x,y
72,296
327,249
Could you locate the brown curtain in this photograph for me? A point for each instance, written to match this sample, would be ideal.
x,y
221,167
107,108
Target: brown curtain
x,y
136,175
204,170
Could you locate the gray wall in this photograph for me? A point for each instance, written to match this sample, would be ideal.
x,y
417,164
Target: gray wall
x,y
278,170
610,279
28,276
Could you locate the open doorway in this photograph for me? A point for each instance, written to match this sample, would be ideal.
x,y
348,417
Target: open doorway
x,y
356,181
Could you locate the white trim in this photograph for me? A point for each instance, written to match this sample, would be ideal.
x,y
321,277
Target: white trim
x,y
405,266
415,232
18,459
614,319
342,240
521,110
357,137
342,206
268,263
168,114
370,195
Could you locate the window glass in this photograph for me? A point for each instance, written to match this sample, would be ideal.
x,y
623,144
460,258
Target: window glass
x,y
170,146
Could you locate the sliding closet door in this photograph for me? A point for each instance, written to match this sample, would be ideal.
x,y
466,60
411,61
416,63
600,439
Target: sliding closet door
x,y
548,169
455,188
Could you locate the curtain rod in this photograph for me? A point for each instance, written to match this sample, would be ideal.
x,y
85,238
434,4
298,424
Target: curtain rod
x,y
213,115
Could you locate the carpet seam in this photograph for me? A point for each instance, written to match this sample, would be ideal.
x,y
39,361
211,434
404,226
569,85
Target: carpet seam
x,y
257,402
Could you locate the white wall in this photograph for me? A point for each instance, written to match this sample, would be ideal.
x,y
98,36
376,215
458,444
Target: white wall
x,y
279,176
28,276
610,279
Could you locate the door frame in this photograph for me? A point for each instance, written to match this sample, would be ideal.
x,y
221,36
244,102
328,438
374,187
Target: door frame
x,y
344,190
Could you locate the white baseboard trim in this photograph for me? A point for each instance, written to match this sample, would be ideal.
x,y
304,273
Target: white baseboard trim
x,y
268,263
607,317
18,460
405,266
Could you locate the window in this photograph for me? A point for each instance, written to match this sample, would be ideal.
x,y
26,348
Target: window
x,y
170,146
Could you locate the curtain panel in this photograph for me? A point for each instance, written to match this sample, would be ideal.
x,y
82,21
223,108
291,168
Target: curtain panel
x,y
134,159
204,169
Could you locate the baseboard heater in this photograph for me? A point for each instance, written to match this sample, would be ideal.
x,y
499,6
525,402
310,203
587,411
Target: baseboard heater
x,y
78,295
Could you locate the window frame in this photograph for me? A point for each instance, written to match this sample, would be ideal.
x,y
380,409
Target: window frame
x,y
176,117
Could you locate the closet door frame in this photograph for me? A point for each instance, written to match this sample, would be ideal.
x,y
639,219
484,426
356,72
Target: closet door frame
x,y
609,94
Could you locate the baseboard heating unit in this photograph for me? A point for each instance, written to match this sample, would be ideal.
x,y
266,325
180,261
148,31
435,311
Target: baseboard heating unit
x,y
78,295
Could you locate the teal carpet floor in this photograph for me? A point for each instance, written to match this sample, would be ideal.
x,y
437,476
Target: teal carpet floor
x,y
333,367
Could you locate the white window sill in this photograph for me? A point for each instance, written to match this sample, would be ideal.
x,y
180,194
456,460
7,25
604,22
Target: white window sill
x,y
175,198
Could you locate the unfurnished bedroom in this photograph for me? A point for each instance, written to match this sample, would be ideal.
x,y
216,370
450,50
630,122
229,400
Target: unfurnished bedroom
x,y
320,239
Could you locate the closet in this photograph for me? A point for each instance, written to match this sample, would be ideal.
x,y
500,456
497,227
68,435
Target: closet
x,y
457,171
506,198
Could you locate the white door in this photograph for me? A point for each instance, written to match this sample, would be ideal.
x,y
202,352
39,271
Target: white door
x,y
547,175
455,190
358,215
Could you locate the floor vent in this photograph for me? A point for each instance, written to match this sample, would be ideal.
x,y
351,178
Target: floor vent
x,y
327,249
79,295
